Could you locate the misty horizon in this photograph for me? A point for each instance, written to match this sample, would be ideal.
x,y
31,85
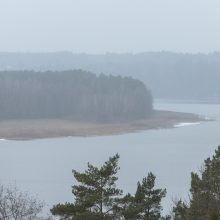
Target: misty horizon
x,y
112,53
83,80
115,26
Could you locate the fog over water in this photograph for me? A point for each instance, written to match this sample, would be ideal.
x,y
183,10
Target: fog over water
x,y
90,61
43,167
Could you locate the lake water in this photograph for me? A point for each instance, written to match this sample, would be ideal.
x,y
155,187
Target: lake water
x,y
43,167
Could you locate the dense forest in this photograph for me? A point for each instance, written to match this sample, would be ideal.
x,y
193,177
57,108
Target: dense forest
x,y
166,74
76,95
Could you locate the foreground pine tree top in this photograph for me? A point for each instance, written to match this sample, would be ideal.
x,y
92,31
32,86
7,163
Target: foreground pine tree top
x,y
97,196
204,201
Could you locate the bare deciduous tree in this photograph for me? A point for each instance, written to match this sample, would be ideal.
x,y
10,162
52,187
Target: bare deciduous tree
x,y
16,205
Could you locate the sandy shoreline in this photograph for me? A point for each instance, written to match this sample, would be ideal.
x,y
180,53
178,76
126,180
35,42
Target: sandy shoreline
x,y
50,128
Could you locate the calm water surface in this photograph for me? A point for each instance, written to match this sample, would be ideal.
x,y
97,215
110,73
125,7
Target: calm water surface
x,y
43,167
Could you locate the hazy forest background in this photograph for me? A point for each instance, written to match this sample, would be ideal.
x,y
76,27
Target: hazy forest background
x,y
166,74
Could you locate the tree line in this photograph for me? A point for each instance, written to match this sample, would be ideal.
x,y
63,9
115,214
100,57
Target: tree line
x,y
97,196
77,95
168,75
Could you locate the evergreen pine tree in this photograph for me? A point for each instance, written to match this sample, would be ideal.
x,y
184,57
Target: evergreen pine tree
x,y
180,211
149,198
96,196
204,193
146,203
205,189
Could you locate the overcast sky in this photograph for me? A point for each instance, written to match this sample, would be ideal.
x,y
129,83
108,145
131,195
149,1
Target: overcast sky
x,y
100,26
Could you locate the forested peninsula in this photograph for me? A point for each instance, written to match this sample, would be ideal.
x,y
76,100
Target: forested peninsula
x,y
166,74
77,103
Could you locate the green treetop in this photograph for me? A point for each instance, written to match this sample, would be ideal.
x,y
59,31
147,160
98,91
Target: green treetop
x,y
146,203
204,193
96,196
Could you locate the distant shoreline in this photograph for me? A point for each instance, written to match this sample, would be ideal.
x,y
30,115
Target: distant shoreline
x,y
54,128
